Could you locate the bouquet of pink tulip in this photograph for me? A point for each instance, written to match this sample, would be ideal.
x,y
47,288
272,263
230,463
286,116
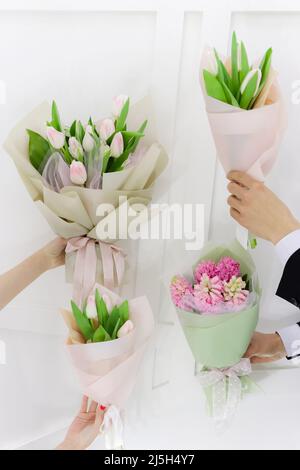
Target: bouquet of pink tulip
x,y
80,154
86,178
218,312
106,344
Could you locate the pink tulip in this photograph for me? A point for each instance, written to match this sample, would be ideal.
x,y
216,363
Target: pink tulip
x,y
75,148
88,141
118,104
117,145
78,173
91,309
125,329
56,138
105,128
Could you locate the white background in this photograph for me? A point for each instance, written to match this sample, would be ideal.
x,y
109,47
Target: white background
x,y
82,54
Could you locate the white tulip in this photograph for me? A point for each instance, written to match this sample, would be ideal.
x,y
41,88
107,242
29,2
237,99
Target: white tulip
x,y
249,77
125,329
88,141
105,128
75,148
91,309
118,104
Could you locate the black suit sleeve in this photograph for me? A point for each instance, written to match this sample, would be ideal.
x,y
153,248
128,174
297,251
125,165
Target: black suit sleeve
x,y
289,286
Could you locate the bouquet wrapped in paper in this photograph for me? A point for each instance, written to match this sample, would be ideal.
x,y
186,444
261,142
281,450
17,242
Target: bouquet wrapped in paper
x,y
71,171
106,343
244,108
218,309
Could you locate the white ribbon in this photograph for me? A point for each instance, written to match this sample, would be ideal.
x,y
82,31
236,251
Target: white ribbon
x,y
226,389
112,428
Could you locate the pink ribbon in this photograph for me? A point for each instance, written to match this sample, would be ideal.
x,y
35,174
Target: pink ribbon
x,y
85,272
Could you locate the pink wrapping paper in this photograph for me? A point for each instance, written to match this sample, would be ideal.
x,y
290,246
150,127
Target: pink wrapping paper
x,y
107,371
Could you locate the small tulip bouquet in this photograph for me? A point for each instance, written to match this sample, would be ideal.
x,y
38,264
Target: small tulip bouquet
x,y
72,171
245,111
218,311
100,322
106,344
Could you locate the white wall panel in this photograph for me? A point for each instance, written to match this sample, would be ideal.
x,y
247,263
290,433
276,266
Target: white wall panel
x,y
83,53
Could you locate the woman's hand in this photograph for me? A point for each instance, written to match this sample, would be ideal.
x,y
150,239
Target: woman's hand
x,y
85,427
53,254
258,209
265,348
17,279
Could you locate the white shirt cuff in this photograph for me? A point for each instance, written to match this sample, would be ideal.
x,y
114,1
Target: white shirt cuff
x,y
287,246
291,340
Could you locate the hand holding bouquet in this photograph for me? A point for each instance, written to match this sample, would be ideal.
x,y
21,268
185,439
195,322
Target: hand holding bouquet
x,y
245,112
71,171
106,343
218,311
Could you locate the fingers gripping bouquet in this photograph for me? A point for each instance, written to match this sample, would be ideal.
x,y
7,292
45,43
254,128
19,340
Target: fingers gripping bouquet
x,y
244,109
106,343
218,310
70,171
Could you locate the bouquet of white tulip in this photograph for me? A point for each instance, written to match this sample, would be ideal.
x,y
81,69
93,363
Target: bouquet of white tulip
x,y
245,112
236,82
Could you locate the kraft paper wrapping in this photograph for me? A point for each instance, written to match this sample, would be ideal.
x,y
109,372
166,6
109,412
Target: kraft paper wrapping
x,y
107,371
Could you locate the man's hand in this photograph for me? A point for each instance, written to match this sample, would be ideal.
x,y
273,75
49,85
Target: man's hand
x,y
258,209
85,427
265,348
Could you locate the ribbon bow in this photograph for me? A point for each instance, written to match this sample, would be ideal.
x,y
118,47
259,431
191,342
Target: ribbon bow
x,y
226,389
112,428
85,272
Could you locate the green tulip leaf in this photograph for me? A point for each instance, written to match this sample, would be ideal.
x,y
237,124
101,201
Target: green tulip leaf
x,y
39,150
121,121
265,66
56,122
244,63
124,312
116,329
112,320
82,322
223,75
249,92
234,65
101,309
101,335
213,86
79,131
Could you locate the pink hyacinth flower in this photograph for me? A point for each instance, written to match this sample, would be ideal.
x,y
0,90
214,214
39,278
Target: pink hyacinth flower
x,y
207,267
179,289
235,292
228,267
209,292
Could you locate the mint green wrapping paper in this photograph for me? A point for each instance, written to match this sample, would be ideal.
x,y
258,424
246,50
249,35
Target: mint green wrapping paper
x,y
220,340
